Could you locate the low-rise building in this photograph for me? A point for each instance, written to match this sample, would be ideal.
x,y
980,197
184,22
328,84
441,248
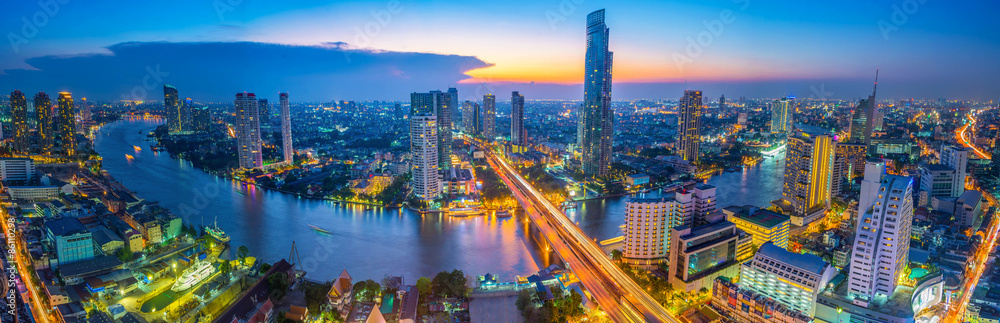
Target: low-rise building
x,y
699,255
764,225
341,294
70,239
793,280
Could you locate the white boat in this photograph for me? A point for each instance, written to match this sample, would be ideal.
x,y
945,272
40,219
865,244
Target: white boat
x,y
193,275
217,233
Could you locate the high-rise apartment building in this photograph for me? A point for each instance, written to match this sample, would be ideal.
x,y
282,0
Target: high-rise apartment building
x,y
172,109
792,279
187,115
265,111
201,119
19,121
957,158
67,124
470,118
436,103
43,111
424,156
882,236
489,130
286,129
456,112
704,203
855,155
781,115
809,161
596,118
518,135
689,129
248,131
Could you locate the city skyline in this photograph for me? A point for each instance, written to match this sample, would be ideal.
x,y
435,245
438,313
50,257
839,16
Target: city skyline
x,y
655,57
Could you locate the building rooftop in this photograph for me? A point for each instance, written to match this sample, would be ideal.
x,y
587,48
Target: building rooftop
x,y
808,262
937,167
705,229
812,130
764,218
65,226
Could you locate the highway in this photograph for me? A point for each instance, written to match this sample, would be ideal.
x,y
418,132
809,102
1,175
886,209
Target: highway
x,y
620,297
21,258
956,312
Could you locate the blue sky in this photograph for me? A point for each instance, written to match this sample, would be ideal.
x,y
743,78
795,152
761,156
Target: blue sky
x,y
774,48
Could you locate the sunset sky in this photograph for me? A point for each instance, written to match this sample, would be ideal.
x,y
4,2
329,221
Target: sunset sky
x,y
937,45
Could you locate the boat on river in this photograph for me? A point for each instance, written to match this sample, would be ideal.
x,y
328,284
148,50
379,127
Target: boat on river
x,y
193,275
129,157
217,232
318,229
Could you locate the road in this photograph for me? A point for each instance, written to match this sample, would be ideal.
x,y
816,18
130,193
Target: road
x,y
956,311
620,297
21,258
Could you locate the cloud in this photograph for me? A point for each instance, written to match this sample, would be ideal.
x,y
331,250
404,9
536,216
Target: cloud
x,y
215,71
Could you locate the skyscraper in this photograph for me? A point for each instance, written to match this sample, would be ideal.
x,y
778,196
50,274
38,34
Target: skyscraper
x,y
863,120
424,154
248,131
808,174
596,127
436,103
882,237
265,111
455,108
489,130
43,111
201,118
518,135
722,103
67,124
172,108
470,118
689,130
286,129
19,121
187,115
781,115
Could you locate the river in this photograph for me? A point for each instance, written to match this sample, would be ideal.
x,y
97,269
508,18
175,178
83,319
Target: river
x,y
368,243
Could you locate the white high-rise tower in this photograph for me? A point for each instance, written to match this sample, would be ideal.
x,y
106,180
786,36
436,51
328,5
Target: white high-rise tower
x,y
424,154
248,131
286,129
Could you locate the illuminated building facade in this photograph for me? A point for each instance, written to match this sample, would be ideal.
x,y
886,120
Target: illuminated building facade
x,y
248,131
489,127
436,103
286,129
699,255
689,130
764,226
793,280
595,130
781,115
518,135
19,121
67,123
43,111
172,108
882,238
808,174
424,154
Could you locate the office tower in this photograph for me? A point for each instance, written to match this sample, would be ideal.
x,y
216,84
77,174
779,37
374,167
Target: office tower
x,y
764,225
781,115
793,280
43,111
862,122
808,174
436,103
286,129
958,159
265,111
67,123
455,108
722,103
172,108
700,254
596,127
518,135
470,118
424,156
248,131
689,129
19,120
704,203
489,130
882,237
201,119
85,112
879,118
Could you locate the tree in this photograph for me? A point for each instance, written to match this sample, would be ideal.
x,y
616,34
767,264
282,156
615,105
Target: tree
x,y
367,290
242,252
424,286
524,299
616,255
124,254
450,284
225,268
278,282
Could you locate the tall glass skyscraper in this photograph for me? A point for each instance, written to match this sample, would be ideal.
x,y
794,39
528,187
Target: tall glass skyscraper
x,y
172,108
518,136
689,126
596,125
455,109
